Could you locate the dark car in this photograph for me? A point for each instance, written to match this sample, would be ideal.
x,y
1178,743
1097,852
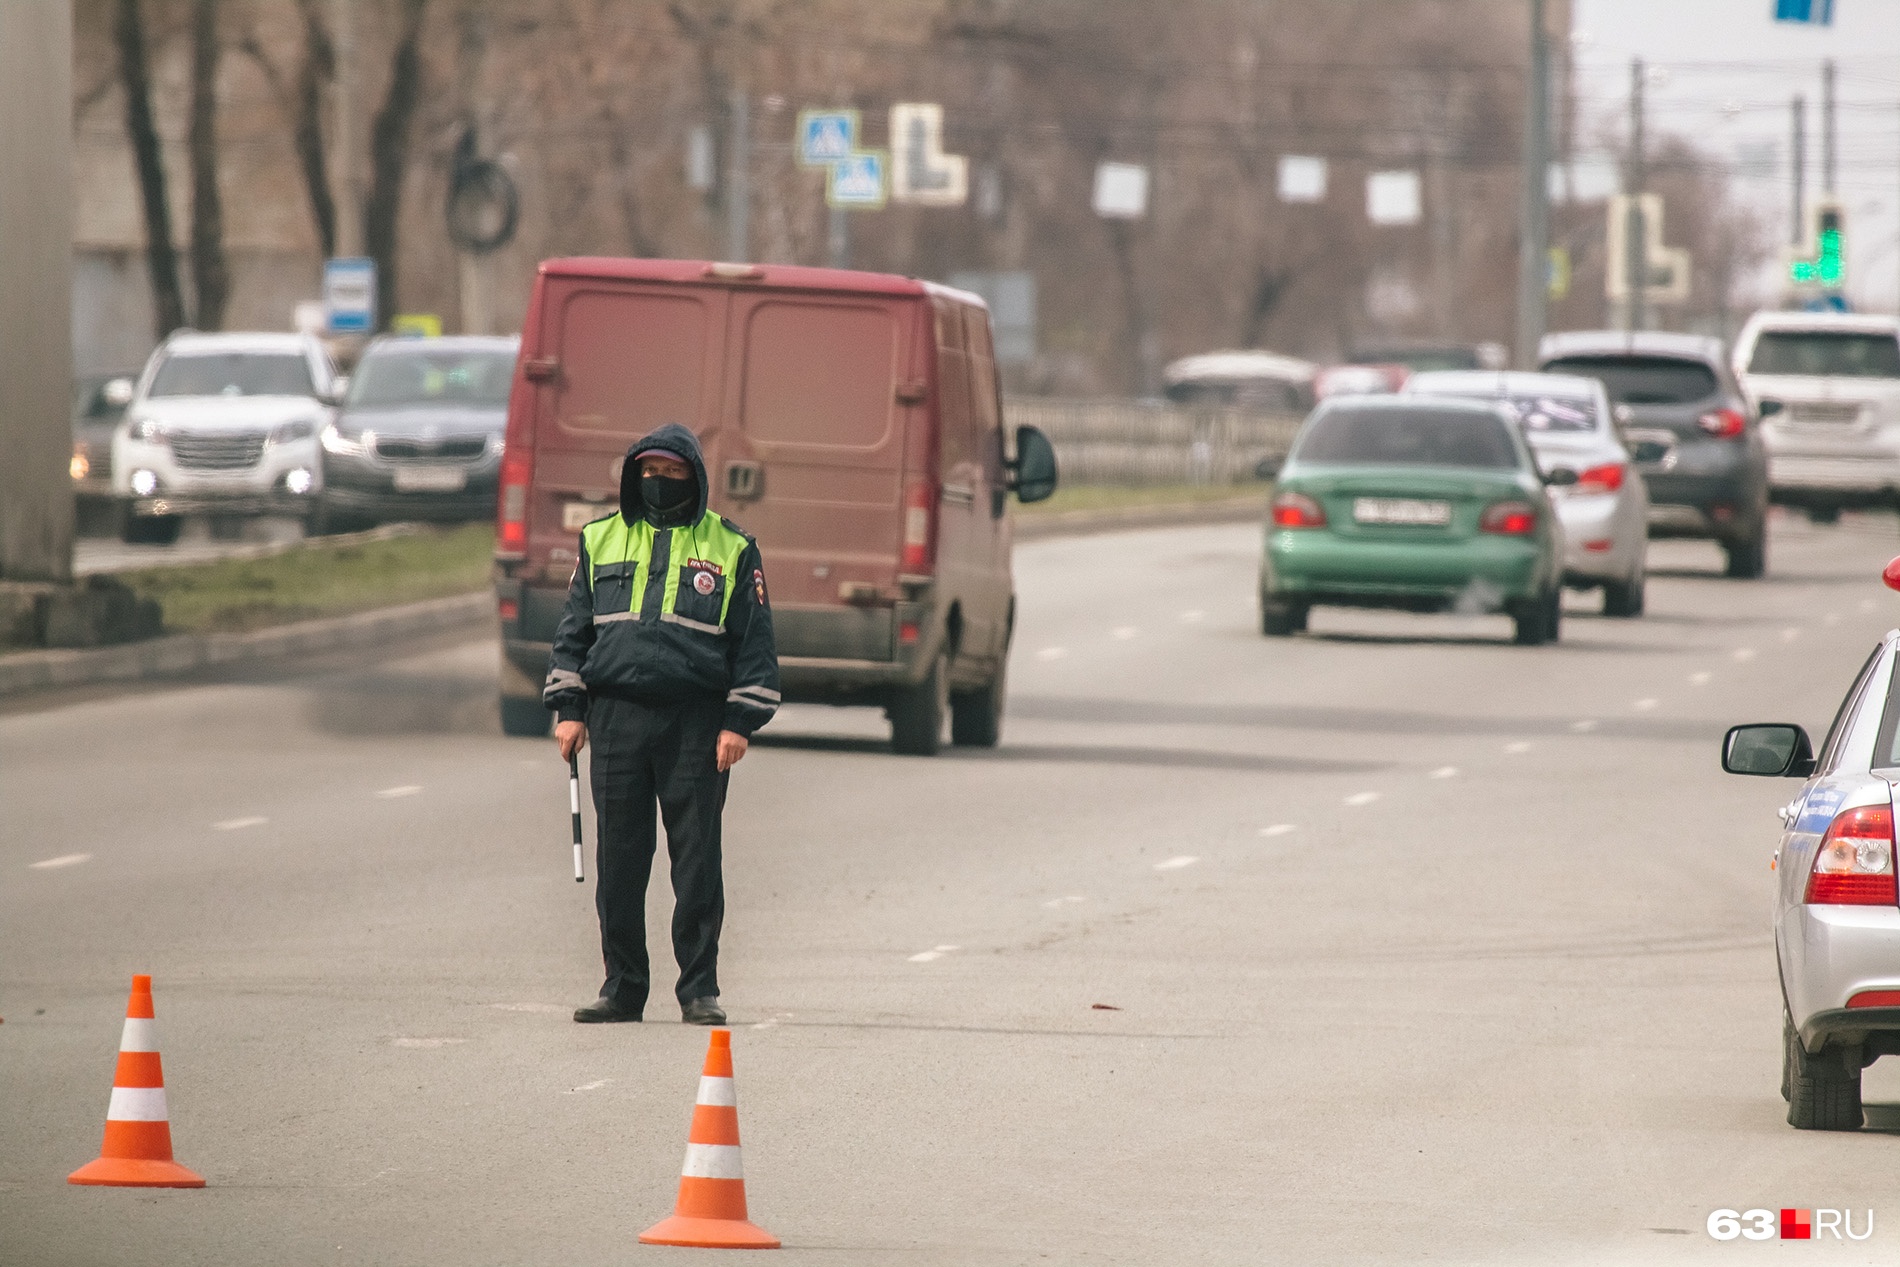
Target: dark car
x,y
1694,437
99,402
419,432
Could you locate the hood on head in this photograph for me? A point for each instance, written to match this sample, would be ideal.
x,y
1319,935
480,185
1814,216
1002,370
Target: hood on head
x,y
683,445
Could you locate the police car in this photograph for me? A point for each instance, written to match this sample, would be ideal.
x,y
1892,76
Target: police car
x,y
1836,912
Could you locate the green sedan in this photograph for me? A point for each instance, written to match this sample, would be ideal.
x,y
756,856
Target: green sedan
x,y
1396,502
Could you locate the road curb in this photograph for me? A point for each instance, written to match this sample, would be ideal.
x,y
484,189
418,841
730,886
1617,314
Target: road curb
x,y
179,654
27,671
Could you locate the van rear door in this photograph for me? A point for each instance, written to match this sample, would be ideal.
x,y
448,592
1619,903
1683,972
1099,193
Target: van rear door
x,y
812,458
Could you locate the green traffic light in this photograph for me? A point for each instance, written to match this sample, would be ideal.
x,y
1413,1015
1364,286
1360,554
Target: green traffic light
x,y
1827,267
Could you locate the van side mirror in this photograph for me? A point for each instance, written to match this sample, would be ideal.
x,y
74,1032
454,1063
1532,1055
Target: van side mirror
x,y
1268,467
1560,477
1775,751
1033,473
117,392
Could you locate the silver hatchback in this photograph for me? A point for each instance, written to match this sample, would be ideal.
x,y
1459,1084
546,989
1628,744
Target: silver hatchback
x,y
1836,911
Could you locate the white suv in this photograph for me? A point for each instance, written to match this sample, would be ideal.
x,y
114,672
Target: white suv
x,y
1828,388
222,424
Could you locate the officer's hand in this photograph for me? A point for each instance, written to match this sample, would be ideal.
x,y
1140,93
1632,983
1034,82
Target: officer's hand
x,y
570,737
732,746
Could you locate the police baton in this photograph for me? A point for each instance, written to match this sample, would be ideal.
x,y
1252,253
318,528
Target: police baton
x,y
574,807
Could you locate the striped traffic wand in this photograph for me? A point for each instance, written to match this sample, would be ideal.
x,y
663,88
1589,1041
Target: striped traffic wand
x,y
710,1212
138,1148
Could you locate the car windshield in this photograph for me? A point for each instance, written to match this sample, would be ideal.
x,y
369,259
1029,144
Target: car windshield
x,y
419,377
233,374
1410,437
1643,380
1826,353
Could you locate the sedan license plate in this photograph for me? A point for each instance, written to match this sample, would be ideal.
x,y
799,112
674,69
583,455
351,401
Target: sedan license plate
x,y
431,479
577,515
1400,510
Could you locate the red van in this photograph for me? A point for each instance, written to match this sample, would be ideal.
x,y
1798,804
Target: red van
x,y
852,424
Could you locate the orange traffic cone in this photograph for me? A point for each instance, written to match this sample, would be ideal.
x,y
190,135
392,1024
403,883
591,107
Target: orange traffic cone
x,y
138,1148
710,1212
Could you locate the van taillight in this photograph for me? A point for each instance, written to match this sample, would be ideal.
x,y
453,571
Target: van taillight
x,y
1854,865
511,512
920,551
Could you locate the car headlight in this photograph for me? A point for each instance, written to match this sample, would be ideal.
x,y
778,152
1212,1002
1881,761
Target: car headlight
x,y
81,465
289,432
346,442
150,430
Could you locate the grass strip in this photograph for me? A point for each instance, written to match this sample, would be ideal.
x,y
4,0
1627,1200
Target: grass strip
x,y
319,579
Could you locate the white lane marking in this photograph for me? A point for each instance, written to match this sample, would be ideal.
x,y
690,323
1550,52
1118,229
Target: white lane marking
x,y
1517,748
235,824
944,950
1700,679
1193,614
391,793
1362,798
1052,653
1278,829
1175,864
426,1043
64,860
925,956
1068,900
1124,632
770,1022
1744,653
1583,727
1444,772
596,1085
1790,634
1644,705
549,1009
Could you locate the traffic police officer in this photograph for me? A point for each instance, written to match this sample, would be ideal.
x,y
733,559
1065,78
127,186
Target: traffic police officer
x,y
664,657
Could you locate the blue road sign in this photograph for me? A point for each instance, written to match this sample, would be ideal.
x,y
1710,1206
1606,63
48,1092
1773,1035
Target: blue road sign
x,y
826,136
1812,12
349,295
857,182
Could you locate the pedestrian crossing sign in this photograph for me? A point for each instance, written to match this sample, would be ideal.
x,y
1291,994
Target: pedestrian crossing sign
x,y
826,137
858,182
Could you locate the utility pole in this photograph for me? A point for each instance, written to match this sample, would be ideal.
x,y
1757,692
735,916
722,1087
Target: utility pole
x,y
1533,264
739,181
1636,233
36,254
349,220
1827,127
1798,233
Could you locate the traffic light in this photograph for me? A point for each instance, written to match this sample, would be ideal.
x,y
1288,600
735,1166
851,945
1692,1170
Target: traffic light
x,y
1827,268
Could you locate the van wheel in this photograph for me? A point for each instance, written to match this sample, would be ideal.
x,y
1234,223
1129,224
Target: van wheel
x,y
917,713
1823,1090
527,718
150,530
976,717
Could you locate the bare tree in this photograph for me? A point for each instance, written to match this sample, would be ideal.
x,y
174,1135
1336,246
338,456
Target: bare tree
x,y
161,256
210,273
301,101
389,155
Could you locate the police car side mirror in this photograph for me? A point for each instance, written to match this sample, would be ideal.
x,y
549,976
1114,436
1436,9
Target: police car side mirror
x,y
1773,751
1033,473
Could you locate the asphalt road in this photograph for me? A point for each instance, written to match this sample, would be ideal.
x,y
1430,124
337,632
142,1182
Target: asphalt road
x,y
1414,945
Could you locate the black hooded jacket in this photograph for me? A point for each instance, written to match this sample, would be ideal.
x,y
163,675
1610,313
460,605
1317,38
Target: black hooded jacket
x,y
655,659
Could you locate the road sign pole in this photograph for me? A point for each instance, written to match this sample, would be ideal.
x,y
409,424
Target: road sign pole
x,y
1827,127
1636,239
1799,232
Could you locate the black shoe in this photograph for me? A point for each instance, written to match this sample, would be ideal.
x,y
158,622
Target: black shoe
x,y
704,1011
602,1010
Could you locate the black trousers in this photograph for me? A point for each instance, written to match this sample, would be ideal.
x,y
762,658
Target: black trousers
x,y
643,754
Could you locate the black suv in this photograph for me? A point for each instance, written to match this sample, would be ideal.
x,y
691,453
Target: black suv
x,y
1693,436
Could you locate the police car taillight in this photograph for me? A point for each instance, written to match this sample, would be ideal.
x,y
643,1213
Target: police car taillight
x,y
1854,865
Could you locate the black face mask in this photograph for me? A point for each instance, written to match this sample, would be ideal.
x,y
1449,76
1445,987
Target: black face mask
x,y
666,497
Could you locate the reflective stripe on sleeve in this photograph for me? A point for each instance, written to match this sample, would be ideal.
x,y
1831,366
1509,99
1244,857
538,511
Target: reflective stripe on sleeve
x,y
146,1104
736,697
712,1161
763,692
564,680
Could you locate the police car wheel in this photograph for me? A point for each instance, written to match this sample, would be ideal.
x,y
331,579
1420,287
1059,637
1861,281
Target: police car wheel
x,y
917,713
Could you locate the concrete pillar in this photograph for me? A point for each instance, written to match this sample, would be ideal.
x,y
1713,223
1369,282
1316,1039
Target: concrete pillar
x,y
36,268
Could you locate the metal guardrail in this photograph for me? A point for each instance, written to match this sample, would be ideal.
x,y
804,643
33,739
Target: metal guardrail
x,y
1135,444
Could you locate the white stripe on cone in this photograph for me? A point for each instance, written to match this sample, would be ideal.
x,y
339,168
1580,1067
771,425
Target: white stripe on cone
x,y
140,1034
716,1091
143,1104
712,1161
